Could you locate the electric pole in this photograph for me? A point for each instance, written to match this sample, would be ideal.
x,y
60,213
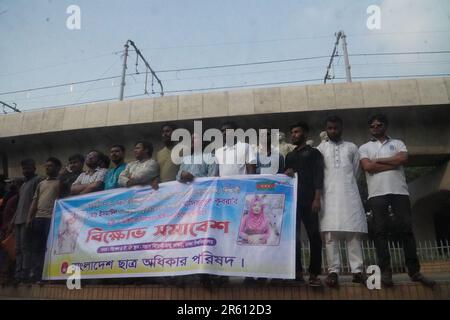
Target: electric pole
x,y
124,71
147,66
346,60
340,35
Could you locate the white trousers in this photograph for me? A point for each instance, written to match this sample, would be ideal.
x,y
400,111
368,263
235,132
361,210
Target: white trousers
x,y
354,250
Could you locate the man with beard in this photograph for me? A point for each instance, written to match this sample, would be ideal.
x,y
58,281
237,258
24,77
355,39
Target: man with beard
x,y
307,162
342,216
168,170
144,171
117,155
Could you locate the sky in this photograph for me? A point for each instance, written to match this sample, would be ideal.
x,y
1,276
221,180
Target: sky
x,y
39,50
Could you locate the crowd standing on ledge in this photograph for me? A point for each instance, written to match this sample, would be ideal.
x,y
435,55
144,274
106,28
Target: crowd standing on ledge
x,y
329,202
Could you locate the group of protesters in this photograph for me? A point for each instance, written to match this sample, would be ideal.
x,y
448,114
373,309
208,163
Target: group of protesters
x,y
328,201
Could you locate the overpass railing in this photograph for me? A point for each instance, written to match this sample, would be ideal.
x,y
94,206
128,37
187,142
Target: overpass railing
x,y
427,251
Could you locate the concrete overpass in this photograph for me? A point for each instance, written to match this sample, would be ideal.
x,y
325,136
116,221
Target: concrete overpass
x,y
418,108
419,112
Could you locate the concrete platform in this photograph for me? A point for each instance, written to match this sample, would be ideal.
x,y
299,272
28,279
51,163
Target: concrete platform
x,y
403,290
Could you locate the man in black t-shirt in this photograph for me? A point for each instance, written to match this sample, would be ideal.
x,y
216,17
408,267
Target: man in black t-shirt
x,y
307,162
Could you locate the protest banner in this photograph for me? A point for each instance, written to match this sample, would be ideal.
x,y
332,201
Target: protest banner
x,y
236,226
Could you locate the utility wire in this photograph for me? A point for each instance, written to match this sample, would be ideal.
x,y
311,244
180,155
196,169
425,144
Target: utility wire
x,y
93,101
64,84
318,37
243,64
37,98
90,87
396,53
61,64
228,66
372,34
257,85
317,67
308,80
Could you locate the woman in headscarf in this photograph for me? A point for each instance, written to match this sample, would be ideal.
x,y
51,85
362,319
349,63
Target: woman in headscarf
x,y
255,228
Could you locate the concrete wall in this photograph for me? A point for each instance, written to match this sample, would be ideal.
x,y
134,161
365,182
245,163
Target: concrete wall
x,y
429,195
357,95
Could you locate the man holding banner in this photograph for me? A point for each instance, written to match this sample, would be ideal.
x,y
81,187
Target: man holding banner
x,y
197,165
143,171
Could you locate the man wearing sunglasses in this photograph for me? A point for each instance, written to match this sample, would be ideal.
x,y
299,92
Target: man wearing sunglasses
x,y
382,159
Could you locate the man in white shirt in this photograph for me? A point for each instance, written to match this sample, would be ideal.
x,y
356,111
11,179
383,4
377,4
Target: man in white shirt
x,y
382,158
143,171
236,157
342,216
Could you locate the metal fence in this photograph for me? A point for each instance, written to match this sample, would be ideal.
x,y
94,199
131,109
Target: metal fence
x,y
427,251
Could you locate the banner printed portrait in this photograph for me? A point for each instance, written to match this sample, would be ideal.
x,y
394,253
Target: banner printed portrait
x,y
262,219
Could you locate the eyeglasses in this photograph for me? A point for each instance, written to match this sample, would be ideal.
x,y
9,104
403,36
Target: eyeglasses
x,y
373,126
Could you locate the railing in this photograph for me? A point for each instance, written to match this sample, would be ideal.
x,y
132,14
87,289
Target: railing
x,y
427,251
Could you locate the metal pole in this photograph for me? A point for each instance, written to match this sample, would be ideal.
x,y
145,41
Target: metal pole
x,y
327,75
138,52
4,104
347,62
124,71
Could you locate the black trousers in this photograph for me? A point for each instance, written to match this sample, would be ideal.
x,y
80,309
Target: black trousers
x,y
311,222
39,233
399,225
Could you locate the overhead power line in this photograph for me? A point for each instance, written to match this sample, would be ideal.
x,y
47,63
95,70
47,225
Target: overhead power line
x,y
227,66
64,84
92,101
314,37
243,64
61,64
256,85
298,59
315,67
223,75
307,80
397,53
317,37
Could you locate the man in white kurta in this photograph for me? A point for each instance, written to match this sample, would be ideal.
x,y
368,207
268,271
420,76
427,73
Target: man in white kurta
x,y
342,216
